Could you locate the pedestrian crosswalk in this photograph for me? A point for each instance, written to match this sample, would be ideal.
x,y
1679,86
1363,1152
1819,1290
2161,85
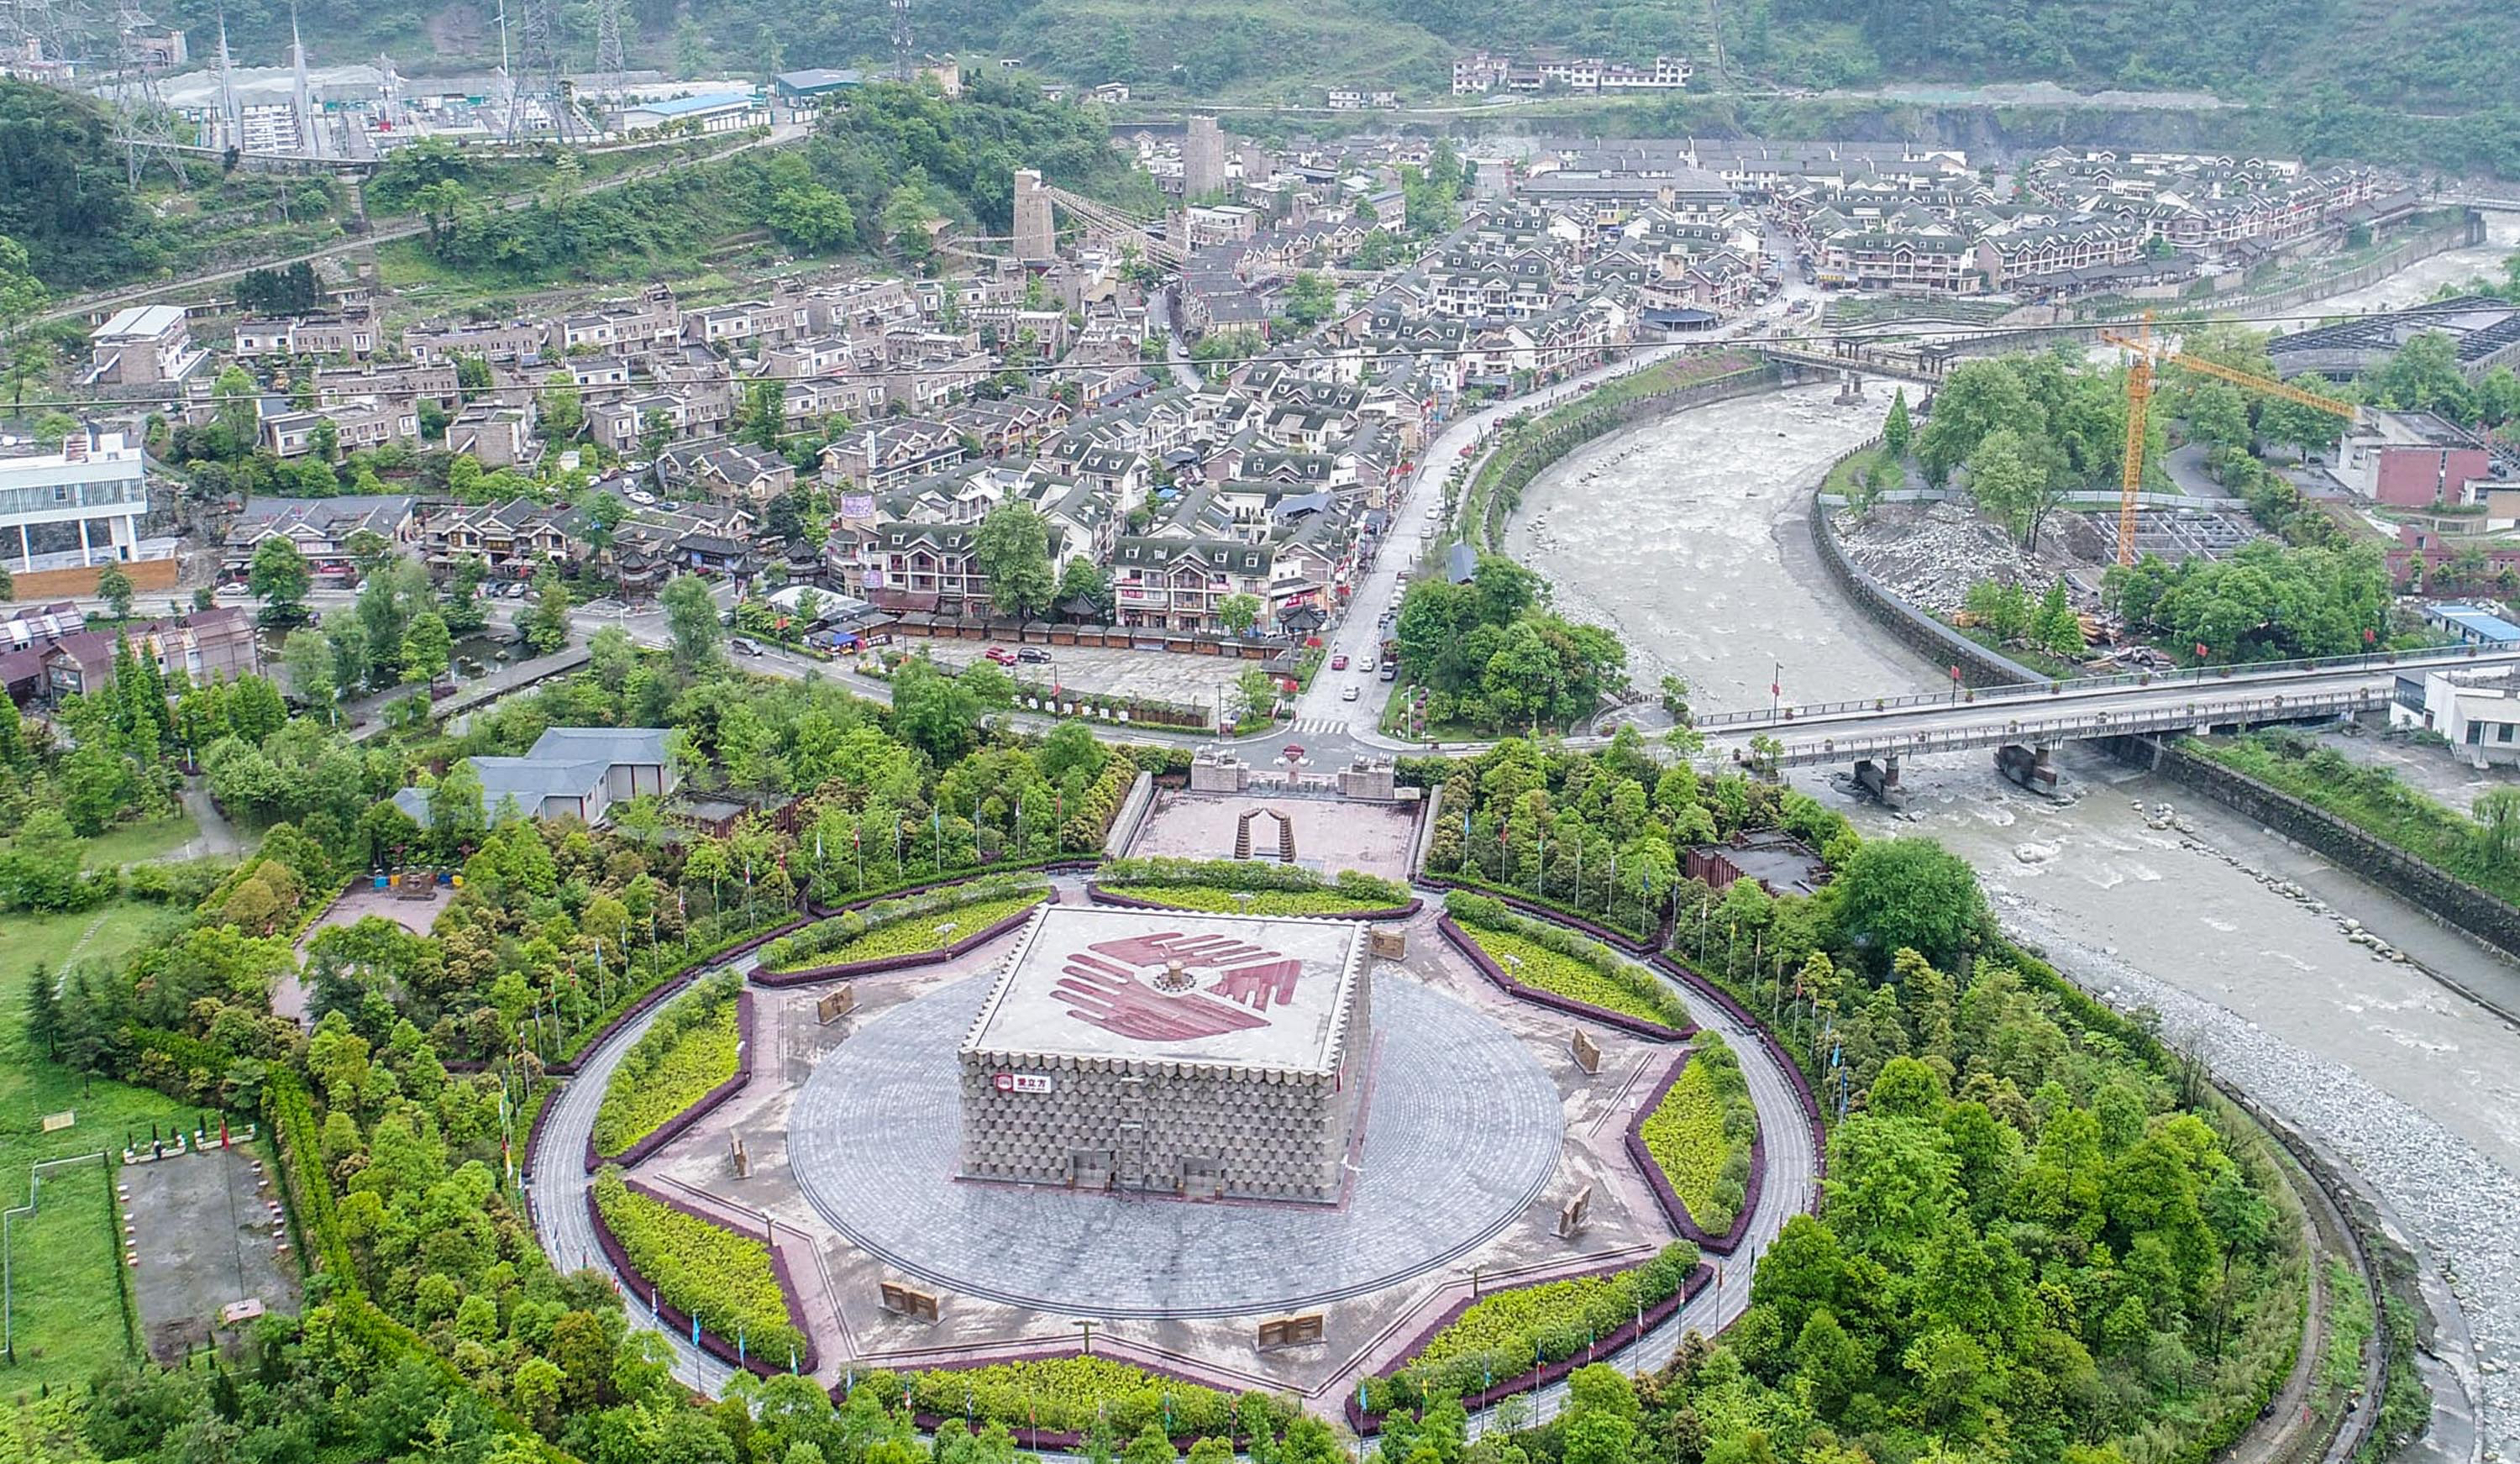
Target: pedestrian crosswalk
x,y
1320,724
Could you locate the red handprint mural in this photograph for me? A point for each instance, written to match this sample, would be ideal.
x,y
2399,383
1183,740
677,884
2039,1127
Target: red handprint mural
x,y
1111,985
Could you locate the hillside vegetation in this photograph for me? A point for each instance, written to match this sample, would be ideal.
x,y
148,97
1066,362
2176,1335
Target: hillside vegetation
x,y
2442,54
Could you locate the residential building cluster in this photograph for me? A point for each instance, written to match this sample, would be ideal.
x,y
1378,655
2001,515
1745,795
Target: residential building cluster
x,y
1482,71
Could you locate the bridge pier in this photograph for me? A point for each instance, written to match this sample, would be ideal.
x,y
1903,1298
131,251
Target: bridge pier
x,y
1850,388
2031,766
1881,781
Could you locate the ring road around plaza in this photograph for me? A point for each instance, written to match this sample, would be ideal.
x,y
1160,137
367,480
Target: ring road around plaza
x,y
1369,1141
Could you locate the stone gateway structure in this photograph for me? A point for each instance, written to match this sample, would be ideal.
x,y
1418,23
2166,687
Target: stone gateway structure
x,y
1206,1056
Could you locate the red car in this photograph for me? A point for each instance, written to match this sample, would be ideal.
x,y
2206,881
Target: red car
x,y
1000,655
1338,663
1291,752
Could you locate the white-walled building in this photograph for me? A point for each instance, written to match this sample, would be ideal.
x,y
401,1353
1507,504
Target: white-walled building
x,y
74,507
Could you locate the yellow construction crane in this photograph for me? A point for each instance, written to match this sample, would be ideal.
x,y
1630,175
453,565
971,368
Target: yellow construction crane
x,y
2149,352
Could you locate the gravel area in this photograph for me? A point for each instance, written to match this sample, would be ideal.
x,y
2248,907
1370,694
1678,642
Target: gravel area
x,y
1933,553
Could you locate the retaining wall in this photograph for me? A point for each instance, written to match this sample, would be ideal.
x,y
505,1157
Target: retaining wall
x,y
1912,627
2455,902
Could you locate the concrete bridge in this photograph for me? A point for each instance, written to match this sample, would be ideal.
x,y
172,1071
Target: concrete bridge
x,y
2027,724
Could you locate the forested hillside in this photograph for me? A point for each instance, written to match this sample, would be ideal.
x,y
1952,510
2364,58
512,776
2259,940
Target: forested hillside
x,y
2444,53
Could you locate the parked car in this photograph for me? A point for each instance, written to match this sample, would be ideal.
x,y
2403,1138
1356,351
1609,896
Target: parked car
x,y
1391,671
1033,654
745,645
1000,655
517,590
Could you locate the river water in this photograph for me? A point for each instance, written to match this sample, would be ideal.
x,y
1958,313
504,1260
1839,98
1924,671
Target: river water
x,y
1686,535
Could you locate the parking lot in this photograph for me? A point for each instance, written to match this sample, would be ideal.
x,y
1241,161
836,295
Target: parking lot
x,y
1156,675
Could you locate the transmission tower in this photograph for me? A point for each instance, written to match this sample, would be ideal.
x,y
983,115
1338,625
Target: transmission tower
x,y
538,73
608,45
142,124
904,63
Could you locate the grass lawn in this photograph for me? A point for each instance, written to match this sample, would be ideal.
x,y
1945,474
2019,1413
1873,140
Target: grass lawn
x,y
68,1304
1208,897
917,935
1843,478
693,1061
137,843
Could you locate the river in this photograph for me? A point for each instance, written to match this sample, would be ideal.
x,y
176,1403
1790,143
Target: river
x,y
1686,535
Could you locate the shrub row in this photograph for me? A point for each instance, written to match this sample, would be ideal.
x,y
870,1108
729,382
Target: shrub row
x,y
690,1049
1583,969
1249,874
824,942
1090,821
1506,1334
1071,1393
721,1276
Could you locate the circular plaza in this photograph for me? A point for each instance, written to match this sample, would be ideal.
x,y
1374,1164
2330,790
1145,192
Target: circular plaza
x,y
1457,1131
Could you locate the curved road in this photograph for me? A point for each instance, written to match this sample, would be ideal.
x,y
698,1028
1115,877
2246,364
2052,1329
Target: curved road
x,y
556,1188
1791,1182
557,1185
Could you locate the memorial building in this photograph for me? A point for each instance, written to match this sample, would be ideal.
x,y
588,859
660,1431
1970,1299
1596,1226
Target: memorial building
x,y
1202,1055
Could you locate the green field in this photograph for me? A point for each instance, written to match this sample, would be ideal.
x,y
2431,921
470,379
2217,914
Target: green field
x,y
68,1304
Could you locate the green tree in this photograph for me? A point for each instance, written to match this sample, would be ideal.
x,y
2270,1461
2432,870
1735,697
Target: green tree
x,y
238,415
691,623
2012,485
323,440
932,711
1897,432
546,626
1013,548
1911,895
560,406
307,658
811,218
765,414
1310,298
280,578
114,586
1084,582
427,648
1237,613
473,380
22,294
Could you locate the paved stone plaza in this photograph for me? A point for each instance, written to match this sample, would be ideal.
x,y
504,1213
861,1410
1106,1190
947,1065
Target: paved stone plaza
x,y
1369,837
1463,1131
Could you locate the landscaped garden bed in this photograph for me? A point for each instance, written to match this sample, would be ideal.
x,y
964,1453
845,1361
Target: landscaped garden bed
x,y
690,1270
1056,1401
1242,887
1558,968
690,1059
1698,1147
893,934
1526,1337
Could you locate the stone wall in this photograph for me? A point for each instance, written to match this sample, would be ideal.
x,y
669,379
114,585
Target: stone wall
x,y
2455,902
1919,631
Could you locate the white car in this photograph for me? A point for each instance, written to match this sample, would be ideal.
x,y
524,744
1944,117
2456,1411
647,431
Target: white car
x,y
643,498
1349,695
1364,663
